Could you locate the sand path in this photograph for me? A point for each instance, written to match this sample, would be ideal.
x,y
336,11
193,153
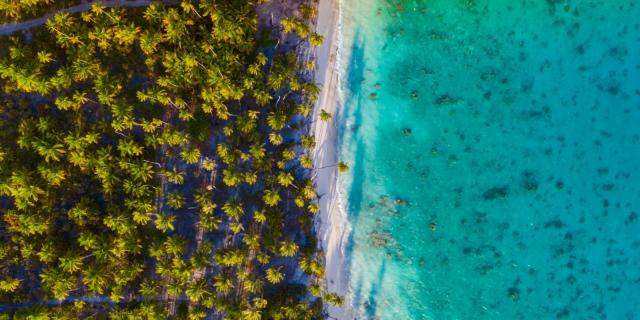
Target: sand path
x,y
11,27
333,228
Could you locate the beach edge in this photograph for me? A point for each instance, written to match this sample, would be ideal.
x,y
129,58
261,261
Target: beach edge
x,y
331,226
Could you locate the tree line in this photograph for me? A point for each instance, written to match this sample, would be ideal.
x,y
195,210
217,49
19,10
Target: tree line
x,y
159,159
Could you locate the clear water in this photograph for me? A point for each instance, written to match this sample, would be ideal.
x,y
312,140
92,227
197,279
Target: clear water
x,y
510,127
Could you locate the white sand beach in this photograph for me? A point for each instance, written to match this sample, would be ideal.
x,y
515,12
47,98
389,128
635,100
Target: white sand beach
x,y
332,227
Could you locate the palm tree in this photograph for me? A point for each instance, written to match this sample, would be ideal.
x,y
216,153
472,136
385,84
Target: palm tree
x,y
128,147
285,179
231,177
57,282
200,259
276,121
308,142
54,176
175,245
333,298
306,161
324,115
304,109
165,222
259,216
142,171
48,253
250,177
95,278
233,209
197,313
316,39
342,167
271,198
190,156
9,284
149,287
196,290
251,314
223,284
175,176
275,138
252,285
209,164
209,221
287,248
50,151
176,200
313,208
274,276
175,287
70,263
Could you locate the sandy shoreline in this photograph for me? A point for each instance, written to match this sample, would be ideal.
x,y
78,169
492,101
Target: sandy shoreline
x,y
332,227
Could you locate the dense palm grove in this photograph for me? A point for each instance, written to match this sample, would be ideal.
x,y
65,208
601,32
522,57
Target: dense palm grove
x,y
155,163
19,10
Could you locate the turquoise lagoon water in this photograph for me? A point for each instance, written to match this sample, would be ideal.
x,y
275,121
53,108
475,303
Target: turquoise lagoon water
x,y
512,128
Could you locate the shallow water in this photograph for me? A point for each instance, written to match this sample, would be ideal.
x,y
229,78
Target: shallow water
x,y
494,150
